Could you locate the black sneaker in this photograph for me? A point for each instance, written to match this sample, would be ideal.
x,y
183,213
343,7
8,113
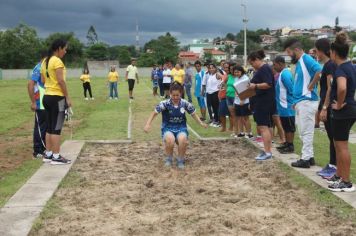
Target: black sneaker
x,y
47,159
60,161
333,179
250,136
282,146
312,161
301,164
288,149
341,186
240,135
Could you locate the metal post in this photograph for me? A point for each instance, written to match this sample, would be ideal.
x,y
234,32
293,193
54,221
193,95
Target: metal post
x,y
245,20
0,74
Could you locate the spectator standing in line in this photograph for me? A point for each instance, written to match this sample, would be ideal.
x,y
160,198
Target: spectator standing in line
x,y
284,100
329,68
343,112
154,79
198,88
188,81
160,81
167,78
306,100
264,104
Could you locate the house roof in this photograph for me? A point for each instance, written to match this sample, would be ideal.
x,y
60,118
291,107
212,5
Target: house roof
x,y
214,51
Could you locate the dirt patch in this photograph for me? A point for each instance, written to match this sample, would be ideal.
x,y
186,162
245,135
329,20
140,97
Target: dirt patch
x,y
16,146
125,190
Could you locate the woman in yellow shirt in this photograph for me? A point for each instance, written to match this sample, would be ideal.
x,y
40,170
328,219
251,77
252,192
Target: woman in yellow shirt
x,y
113,78
55,100
85,78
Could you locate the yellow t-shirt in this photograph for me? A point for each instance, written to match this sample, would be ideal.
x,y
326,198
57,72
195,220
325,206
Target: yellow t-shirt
x,y
132,71
113,76
178,75
85,78
51,82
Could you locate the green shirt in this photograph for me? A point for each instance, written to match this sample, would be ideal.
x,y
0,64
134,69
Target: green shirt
x,y
230,91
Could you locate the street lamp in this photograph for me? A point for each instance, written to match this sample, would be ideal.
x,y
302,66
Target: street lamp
x,y
245,20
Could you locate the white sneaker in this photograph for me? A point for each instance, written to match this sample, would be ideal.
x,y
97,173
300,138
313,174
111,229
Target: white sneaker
x,y
92,98
86,99
116,98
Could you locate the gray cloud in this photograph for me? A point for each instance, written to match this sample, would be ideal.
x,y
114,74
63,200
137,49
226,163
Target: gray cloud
x,y
114,20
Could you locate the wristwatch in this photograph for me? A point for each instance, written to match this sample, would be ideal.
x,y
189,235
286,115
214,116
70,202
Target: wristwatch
x,y
324,107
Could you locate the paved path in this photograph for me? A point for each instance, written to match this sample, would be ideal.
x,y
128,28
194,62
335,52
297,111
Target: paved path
x,y
19,213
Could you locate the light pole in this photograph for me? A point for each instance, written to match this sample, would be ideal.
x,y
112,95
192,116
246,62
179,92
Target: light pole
x,y
245,20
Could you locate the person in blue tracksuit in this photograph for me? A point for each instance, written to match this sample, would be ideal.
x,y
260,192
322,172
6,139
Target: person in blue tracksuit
x,y
284,101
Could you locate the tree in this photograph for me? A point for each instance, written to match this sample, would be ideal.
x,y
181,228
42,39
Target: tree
x,y
74,55
120,53
92,36
163,48
146,59
98,51
230,36
19,47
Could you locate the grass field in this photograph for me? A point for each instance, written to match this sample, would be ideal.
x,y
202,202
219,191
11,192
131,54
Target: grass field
x,y
93,120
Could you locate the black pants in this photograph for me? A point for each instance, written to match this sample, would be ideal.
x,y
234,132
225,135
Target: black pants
x,y
39,132
328,129
212,101
87,87
161,88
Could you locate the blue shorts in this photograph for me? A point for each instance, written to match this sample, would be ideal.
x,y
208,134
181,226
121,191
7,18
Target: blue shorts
x,y
155,83
175,132
230,101
201,102
223,109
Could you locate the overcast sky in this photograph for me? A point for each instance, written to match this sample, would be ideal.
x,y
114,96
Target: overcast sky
x,y
114,20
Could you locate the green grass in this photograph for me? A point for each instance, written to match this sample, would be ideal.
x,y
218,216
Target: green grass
x,y
11,182
97,119
335,205
15,104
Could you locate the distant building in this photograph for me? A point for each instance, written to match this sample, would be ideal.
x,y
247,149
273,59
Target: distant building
x,y
199,47
285,31
217,55
267,40
186,57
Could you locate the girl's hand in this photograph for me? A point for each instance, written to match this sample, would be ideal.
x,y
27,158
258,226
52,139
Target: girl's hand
x,y
147,128
323,115
337,106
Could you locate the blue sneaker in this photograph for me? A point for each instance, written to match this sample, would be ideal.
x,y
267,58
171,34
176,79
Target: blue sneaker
x,y
180,163
168,161
263,156
328,172
323,170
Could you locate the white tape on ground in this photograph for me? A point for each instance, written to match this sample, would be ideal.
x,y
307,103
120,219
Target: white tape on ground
x,y
129,123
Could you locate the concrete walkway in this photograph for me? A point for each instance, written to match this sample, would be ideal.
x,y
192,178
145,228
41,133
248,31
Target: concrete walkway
x,y
310,173
19,213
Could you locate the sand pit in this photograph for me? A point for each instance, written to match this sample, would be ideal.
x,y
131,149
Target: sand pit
x,y
124,189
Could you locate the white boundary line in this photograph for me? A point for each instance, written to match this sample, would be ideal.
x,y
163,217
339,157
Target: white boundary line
x,y
190,128
129,122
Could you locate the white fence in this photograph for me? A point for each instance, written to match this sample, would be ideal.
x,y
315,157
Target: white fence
x,y
71,73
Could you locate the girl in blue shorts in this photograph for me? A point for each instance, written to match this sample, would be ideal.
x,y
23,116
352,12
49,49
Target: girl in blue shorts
x,y
174,123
